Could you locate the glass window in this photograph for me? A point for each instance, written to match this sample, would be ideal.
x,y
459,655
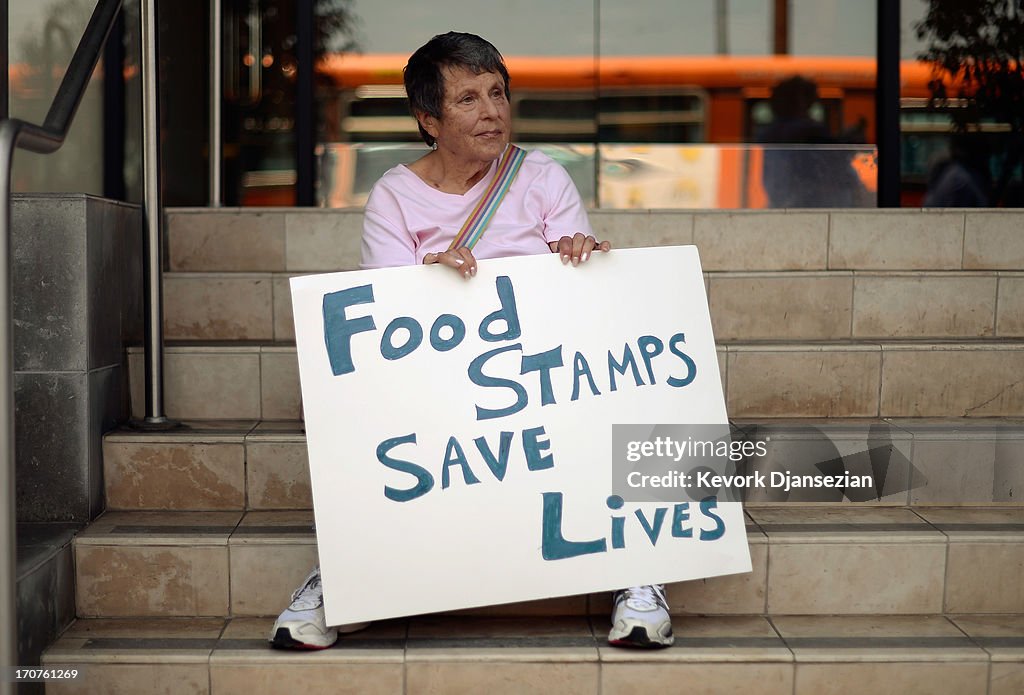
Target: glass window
x,y
184,99
43,37
260,66
648,103
961,138
736,103
832,28
365,125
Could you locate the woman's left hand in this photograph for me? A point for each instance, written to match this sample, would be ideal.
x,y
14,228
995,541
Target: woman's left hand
x,y
577,248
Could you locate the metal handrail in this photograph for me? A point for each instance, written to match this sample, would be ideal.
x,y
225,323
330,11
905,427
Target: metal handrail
x,y
43,139
152,246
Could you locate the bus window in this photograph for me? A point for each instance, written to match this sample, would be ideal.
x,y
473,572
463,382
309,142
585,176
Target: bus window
x,y
376,113
542,116
647,116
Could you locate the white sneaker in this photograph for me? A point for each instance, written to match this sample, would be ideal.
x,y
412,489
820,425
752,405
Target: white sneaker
x,y
640,618
302,624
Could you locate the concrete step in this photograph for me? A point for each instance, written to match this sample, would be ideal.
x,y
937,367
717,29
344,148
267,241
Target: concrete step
x,y
281,240
776,655
209,465
837,379
859,560
255,466
765,305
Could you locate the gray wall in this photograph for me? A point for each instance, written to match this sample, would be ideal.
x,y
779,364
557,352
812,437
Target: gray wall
x,y
77,299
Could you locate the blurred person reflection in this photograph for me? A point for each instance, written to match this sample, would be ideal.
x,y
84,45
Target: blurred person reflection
x,y
963,179
814,175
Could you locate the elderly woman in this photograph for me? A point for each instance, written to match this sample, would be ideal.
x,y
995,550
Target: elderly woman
x,y
427,212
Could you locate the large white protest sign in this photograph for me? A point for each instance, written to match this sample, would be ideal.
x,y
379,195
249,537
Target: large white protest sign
x,y
460,431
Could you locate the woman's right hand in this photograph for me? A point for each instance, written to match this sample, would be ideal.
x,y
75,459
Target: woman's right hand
x,y
461,259
576,248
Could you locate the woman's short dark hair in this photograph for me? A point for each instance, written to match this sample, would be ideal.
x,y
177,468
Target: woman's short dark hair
x,y
424,76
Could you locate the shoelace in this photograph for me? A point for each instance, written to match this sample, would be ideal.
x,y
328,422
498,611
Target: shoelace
x,y
652,595
309,595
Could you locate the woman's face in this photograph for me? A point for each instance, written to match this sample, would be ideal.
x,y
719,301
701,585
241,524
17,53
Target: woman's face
x,y
475,116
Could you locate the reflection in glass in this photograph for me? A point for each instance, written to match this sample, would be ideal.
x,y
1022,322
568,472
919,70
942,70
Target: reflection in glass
x,y
655,104
736,176
801,166
711,67
963,140
698,176
43,37
260,68
366,126
831,28
349,170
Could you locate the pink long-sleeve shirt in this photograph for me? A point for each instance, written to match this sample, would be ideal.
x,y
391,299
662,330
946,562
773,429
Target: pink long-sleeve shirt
x,y
406,218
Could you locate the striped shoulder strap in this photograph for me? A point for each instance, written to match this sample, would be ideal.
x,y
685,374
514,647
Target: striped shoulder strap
x,y
476,224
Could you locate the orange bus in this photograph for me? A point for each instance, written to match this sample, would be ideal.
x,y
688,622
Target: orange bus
x,y
616,102
713,99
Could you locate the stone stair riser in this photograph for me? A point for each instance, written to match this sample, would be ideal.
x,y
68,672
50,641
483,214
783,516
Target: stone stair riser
x,y
953,462
779,306
300,241
798,569
761,380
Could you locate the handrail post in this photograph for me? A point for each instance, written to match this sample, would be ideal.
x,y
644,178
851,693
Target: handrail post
x,y
152,213
216,70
